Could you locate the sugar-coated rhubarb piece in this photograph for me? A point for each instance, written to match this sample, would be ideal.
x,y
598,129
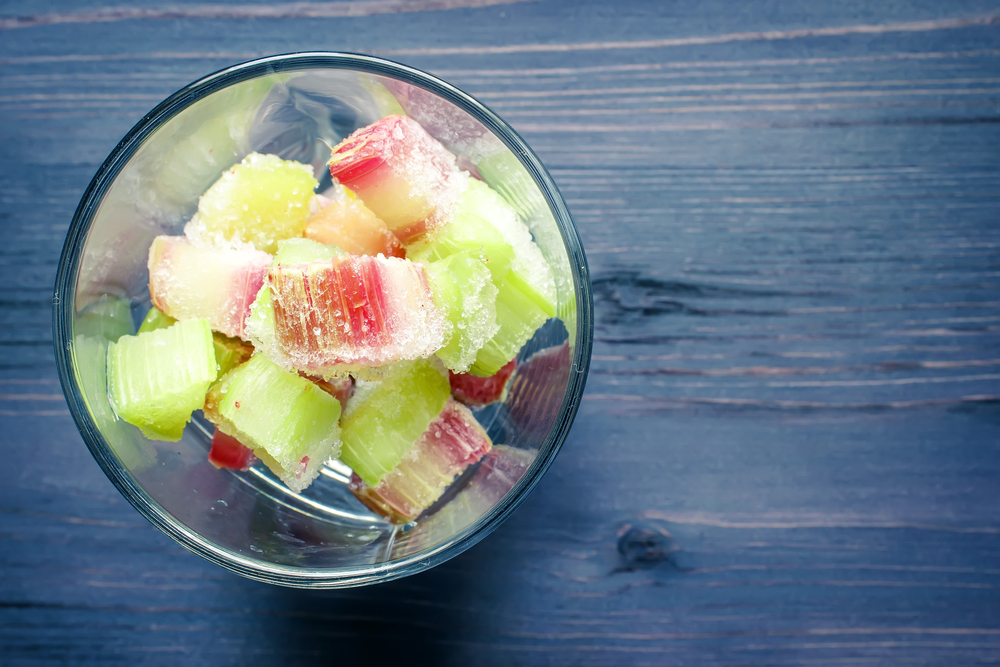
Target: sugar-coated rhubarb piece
x,y
289,422
468,234
228,452
260,322
464,292
353,310
229,352
262,200
348,224
188,281
520,312
474,390
399,171
384,419
158,378
479,200
452,442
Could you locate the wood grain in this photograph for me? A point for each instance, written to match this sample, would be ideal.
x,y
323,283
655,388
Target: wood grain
x,y
791,220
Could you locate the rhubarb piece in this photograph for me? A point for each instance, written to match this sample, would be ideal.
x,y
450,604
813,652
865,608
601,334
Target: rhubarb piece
x,y
348,224
229,352
155,319
260,201
228,452
471,235
109,317
452,442
538,389
158,378
260,323
384,419
479,200
400,172
187,281
464,291
360,310
476,391
289,422
520,312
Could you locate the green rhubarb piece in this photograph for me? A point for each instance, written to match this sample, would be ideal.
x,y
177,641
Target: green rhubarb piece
x,y
467,234
158,378
480,201
262,200
383,422
464,291
109,317
520,311
289,422
155,319
229,352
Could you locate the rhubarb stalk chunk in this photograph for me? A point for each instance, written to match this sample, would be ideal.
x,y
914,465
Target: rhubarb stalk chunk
x,y
353,310
350,225
399,171
289,422
158,378
451,443
187,281
260,201
384,419
464,291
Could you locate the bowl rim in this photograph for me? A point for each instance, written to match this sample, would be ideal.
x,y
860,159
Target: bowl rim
x,y
64,305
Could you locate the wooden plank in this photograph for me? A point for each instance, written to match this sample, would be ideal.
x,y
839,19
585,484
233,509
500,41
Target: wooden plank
x,y
790,219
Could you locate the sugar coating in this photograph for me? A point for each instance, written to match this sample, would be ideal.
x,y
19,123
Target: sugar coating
x,y
219,284
260,201
399,171
353,310
480,200
464,291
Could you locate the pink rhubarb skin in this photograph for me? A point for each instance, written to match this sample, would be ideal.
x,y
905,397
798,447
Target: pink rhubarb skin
x,y
400,172
228,452
451,443
475,391
354,310
188,281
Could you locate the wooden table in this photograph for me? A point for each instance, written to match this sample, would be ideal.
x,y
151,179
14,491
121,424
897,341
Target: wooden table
x,y
791,216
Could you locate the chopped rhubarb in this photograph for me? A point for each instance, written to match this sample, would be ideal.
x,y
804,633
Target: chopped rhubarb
x,y
384,419
187,281
473,390
260,201
289,422
451,443
399,171
353,310
228,452
158,378
348,224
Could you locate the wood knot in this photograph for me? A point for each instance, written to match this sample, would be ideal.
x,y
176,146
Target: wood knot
x,y
644,544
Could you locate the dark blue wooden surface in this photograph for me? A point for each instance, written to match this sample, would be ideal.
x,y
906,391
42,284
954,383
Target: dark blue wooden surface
x,y
791,215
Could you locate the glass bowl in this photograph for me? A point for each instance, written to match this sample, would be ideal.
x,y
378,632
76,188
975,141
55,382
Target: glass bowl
x,y
297,106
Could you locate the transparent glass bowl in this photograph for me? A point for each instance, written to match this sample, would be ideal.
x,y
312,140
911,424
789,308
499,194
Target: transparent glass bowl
x,y
296,105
